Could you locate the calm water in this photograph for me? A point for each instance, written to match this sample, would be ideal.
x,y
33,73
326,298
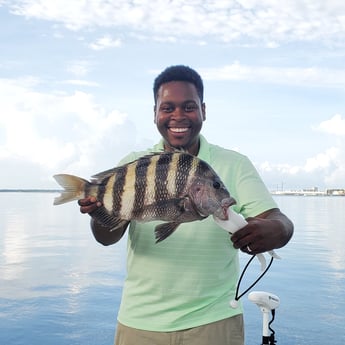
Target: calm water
x,y
58,286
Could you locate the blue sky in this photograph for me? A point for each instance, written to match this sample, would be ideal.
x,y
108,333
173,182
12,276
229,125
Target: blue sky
x,y
76,84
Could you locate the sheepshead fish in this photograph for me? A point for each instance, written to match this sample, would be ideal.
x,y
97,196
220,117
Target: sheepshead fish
x,y
175,187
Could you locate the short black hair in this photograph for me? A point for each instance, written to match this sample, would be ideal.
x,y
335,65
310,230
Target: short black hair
x,y
179,73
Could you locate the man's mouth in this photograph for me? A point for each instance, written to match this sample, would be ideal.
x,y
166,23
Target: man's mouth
x,y
178,130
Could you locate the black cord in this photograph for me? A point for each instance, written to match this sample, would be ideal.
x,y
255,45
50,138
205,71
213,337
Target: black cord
x,y
237,297
272,339
269,324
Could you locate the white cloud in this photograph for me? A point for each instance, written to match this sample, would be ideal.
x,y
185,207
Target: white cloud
x,y
329,165
58,131
326,167
277,75
79,68
266,22
22,109
81,82
335,177
335,125
322,160
105,42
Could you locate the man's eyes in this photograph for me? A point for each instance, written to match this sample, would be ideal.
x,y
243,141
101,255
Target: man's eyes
x,y
188,107
167,109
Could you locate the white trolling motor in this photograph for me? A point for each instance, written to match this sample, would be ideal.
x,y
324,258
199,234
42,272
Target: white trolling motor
x,y
267,302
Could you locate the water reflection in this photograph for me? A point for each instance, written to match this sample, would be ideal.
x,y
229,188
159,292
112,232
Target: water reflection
x,y
14,249
319,223
313,293
46,248
57,282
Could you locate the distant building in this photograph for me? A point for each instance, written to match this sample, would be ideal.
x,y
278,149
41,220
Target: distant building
x,y
337,191
312,192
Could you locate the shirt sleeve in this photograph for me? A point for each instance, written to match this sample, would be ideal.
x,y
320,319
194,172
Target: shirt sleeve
x,y
251,194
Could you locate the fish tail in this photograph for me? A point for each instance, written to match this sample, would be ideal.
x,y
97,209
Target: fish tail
x,y
74,188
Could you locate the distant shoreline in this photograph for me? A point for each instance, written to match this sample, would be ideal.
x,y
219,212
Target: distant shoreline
x,y
329,192
30,190
274,193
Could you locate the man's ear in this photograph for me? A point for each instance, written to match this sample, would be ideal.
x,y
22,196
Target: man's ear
x,y
203,110
154,114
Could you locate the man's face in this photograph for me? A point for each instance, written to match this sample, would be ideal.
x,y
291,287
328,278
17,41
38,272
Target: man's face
x,y
179,115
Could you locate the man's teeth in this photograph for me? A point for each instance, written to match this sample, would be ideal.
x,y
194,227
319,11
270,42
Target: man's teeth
x,y
179,130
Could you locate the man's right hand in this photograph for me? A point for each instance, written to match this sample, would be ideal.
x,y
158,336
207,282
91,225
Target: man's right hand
x,y
89,204
103,234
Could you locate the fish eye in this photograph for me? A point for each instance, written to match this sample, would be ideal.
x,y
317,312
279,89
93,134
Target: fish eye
x,y
216,184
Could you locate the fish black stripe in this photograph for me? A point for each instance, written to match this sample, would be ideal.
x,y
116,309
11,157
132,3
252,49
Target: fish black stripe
x,y
161,174
88,189
119,183
184,166
140,184
100,191
203,169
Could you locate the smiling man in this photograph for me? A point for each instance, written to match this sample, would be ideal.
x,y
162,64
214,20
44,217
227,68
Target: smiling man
x,y
178,291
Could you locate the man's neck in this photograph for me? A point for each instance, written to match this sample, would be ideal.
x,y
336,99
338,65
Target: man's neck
x,y
193,149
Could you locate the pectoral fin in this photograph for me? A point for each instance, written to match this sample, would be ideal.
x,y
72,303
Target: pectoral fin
x,y
163,231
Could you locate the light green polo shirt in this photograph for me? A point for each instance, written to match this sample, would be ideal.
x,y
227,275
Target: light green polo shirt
x,y
188,279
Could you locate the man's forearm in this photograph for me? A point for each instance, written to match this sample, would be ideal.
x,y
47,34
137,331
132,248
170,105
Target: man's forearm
x,y
284,224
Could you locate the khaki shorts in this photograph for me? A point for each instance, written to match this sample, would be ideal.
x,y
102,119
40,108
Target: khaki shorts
x,y
229,331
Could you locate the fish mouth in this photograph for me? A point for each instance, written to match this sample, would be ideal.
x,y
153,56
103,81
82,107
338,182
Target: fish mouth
x,y
222,212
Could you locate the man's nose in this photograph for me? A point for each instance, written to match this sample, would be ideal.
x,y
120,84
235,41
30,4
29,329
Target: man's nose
x,y
179,112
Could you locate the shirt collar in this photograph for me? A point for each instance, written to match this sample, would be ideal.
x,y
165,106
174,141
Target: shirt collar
x,y
204,149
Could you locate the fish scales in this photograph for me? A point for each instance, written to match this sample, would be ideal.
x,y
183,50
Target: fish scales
x,y
163,167
172,171
141,174
128,194
151,175
108,196
202,169
101,189
161,191
118,188
185,171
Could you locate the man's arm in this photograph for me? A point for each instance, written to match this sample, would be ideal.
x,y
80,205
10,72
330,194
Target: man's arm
x,y
267,231
102,234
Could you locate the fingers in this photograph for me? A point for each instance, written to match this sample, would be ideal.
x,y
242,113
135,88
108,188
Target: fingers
x,y
244,245
241,239
247,249
244,240
89,204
